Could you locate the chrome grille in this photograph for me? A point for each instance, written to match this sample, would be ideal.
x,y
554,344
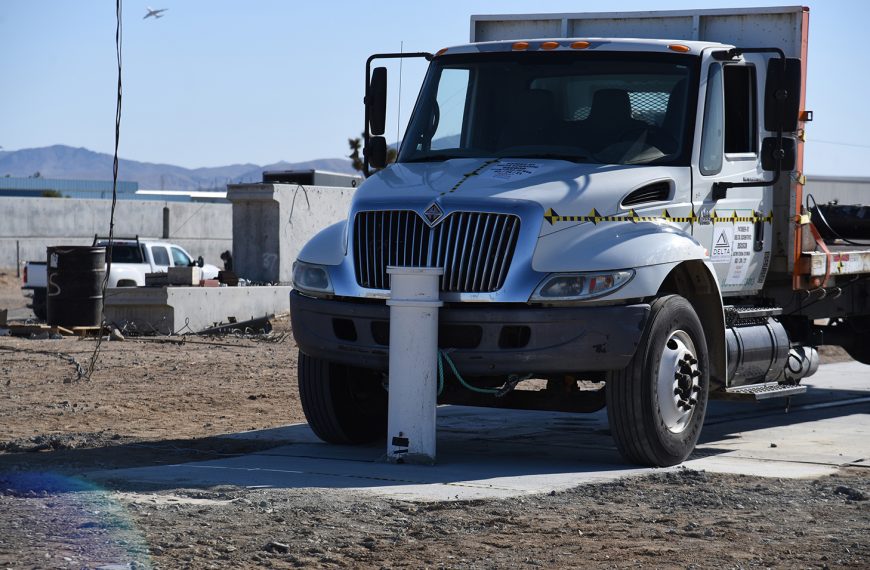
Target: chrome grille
x,y
475,249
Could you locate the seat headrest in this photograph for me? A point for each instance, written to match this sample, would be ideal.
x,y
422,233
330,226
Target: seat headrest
x,y
611,105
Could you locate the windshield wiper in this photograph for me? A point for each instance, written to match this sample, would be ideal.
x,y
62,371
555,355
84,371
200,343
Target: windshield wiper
x,y
550,155
438,157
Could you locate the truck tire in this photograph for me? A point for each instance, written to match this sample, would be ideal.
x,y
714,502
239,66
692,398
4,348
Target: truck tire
x,y
343,404
858,326
656,405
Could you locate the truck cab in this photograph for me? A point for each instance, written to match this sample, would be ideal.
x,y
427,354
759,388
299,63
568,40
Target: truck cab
x,y
618,215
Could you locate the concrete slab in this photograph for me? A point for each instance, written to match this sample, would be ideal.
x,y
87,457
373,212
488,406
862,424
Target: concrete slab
x,y
170,310
497,453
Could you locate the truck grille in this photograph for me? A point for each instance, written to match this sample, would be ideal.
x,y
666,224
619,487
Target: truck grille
x,y
475,249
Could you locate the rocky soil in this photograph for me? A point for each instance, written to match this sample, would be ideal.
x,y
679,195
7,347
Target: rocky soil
x,y
160,400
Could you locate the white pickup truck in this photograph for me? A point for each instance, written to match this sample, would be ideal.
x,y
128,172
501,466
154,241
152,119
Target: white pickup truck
x,y
132,258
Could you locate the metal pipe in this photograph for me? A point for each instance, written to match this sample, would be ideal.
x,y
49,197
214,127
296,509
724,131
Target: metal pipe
x,y
413,383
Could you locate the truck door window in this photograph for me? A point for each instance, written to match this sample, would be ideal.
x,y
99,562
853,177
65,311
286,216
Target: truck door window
x,y
179,258
740,118
450,100
712,140
160,255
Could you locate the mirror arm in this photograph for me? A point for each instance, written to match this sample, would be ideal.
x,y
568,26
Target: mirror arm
x,y
424,54
720,189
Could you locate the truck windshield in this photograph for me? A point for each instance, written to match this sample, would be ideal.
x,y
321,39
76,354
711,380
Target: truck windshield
x,y
609,108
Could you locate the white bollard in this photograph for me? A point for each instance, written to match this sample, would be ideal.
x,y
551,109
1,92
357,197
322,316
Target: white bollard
x,y
413,376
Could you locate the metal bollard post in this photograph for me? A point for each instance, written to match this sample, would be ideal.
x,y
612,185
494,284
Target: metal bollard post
x,y
414,303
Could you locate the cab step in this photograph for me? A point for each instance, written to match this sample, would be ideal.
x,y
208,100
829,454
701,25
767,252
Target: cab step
x,y
742,316
765,391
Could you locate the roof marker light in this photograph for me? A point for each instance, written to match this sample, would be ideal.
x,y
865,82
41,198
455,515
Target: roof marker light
x,y
549,45
580,45
679,47
441,51
519,46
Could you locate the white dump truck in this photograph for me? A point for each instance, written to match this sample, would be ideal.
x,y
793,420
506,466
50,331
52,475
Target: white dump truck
x,y
617,204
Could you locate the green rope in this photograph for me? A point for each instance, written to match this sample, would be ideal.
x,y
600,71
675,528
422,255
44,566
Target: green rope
x,y
445,356
440,374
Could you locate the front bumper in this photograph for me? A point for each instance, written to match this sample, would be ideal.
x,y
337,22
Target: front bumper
x,y
485,339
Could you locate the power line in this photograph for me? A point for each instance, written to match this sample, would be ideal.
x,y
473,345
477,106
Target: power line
x,y
118,42
840,143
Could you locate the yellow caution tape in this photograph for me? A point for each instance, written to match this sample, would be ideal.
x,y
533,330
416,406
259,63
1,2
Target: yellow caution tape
x,y
595,217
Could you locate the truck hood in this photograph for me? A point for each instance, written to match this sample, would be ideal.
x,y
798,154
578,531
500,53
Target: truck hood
x,y
553,186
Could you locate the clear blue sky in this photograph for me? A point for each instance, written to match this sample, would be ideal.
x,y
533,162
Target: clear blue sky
x,y
217,82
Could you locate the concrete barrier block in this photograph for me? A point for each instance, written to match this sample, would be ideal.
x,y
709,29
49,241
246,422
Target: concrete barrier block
x,y
179,310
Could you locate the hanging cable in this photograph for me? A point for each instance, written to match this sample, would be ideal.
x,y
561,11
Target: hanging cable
x,y
118,41
816,210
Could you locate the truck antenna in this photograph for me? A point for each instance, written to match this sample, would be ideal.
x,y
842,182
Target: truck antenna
x,y
399,99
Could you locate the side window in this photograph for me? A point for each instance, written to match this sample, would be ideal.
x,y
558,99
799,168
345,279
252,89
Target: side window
x,y
712,140
741,125
452,93
161,256
179,258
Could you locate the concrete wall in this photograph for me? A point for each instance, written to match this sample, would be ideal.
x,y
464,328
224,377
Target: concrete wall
x,y
36,223
271,223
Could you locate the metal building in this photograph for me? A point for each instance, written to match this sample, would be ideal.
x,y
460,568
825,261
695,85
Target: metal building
x,y
36,187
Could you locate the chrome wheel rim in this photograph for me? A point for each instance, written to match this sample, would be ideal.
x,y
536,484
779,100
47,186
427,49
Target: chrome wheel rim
x,y
679,381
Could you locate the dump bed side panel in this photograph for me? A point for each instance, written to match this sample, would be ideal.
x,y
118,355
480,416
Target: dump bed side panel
x,y
780,26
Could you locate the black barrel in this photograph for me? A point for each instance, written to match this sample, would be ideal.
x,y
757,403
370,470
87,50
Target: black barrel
x,y
75,282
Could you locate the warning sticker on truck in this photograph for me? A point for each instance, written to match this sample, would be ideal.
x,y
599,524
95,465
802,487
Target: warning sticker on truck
x,y
741,254
512,170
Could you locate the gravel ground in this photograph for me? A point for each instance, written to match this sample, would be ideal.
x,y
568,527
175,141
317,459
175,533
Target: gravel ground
x,y
152,401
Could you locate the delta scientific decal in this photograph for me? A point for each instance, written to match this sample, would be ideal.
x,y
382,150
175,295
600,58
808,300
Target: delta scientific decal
x,y
723,236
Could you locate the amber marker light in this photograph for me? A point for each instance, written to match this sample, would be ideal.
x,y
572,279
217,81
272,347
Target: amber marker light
x,y
579,45
679,47
549,45
441,51
519,46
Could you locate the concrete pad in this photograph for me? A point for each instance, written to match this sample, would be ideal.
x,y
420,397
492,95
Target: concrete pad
x,y
504,453
170,310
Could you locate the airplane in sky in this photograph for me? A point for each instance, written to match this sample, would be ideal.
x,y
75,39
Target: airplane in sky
x,y
158,13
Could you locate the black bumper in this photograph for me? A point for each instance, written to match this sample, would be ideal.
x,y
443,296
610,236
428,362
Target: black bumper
x,y
486,339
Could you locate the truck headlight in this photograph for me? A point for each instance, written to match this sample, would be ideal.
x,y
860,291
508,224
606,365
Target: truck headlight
x,y
310,278
580,286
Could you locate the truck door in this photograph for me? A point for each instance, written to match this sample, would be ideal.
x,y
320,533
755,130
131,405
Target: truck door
x,y
160,259
735,228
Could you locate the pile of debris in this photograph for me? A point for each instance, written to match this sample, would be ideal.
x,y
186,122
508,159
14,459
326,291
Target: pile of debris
x,y
192,277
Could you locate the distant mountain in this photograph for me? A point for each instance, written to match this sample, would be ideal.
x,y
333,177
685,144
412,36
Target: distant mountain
x,y
60,161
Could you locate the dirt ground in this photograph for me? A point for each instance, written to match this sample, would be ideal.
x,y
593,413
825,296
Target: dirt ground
x,y
160,400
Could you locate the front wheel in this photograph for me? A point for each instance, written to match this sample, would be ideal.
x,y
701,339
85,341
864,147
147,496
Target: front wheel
x,y
343,404
656,405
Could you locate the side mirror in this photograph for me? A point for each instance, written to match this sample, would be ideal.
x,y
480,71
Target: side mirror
x,y
769,151
376,101
376,152
782,95
200,261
